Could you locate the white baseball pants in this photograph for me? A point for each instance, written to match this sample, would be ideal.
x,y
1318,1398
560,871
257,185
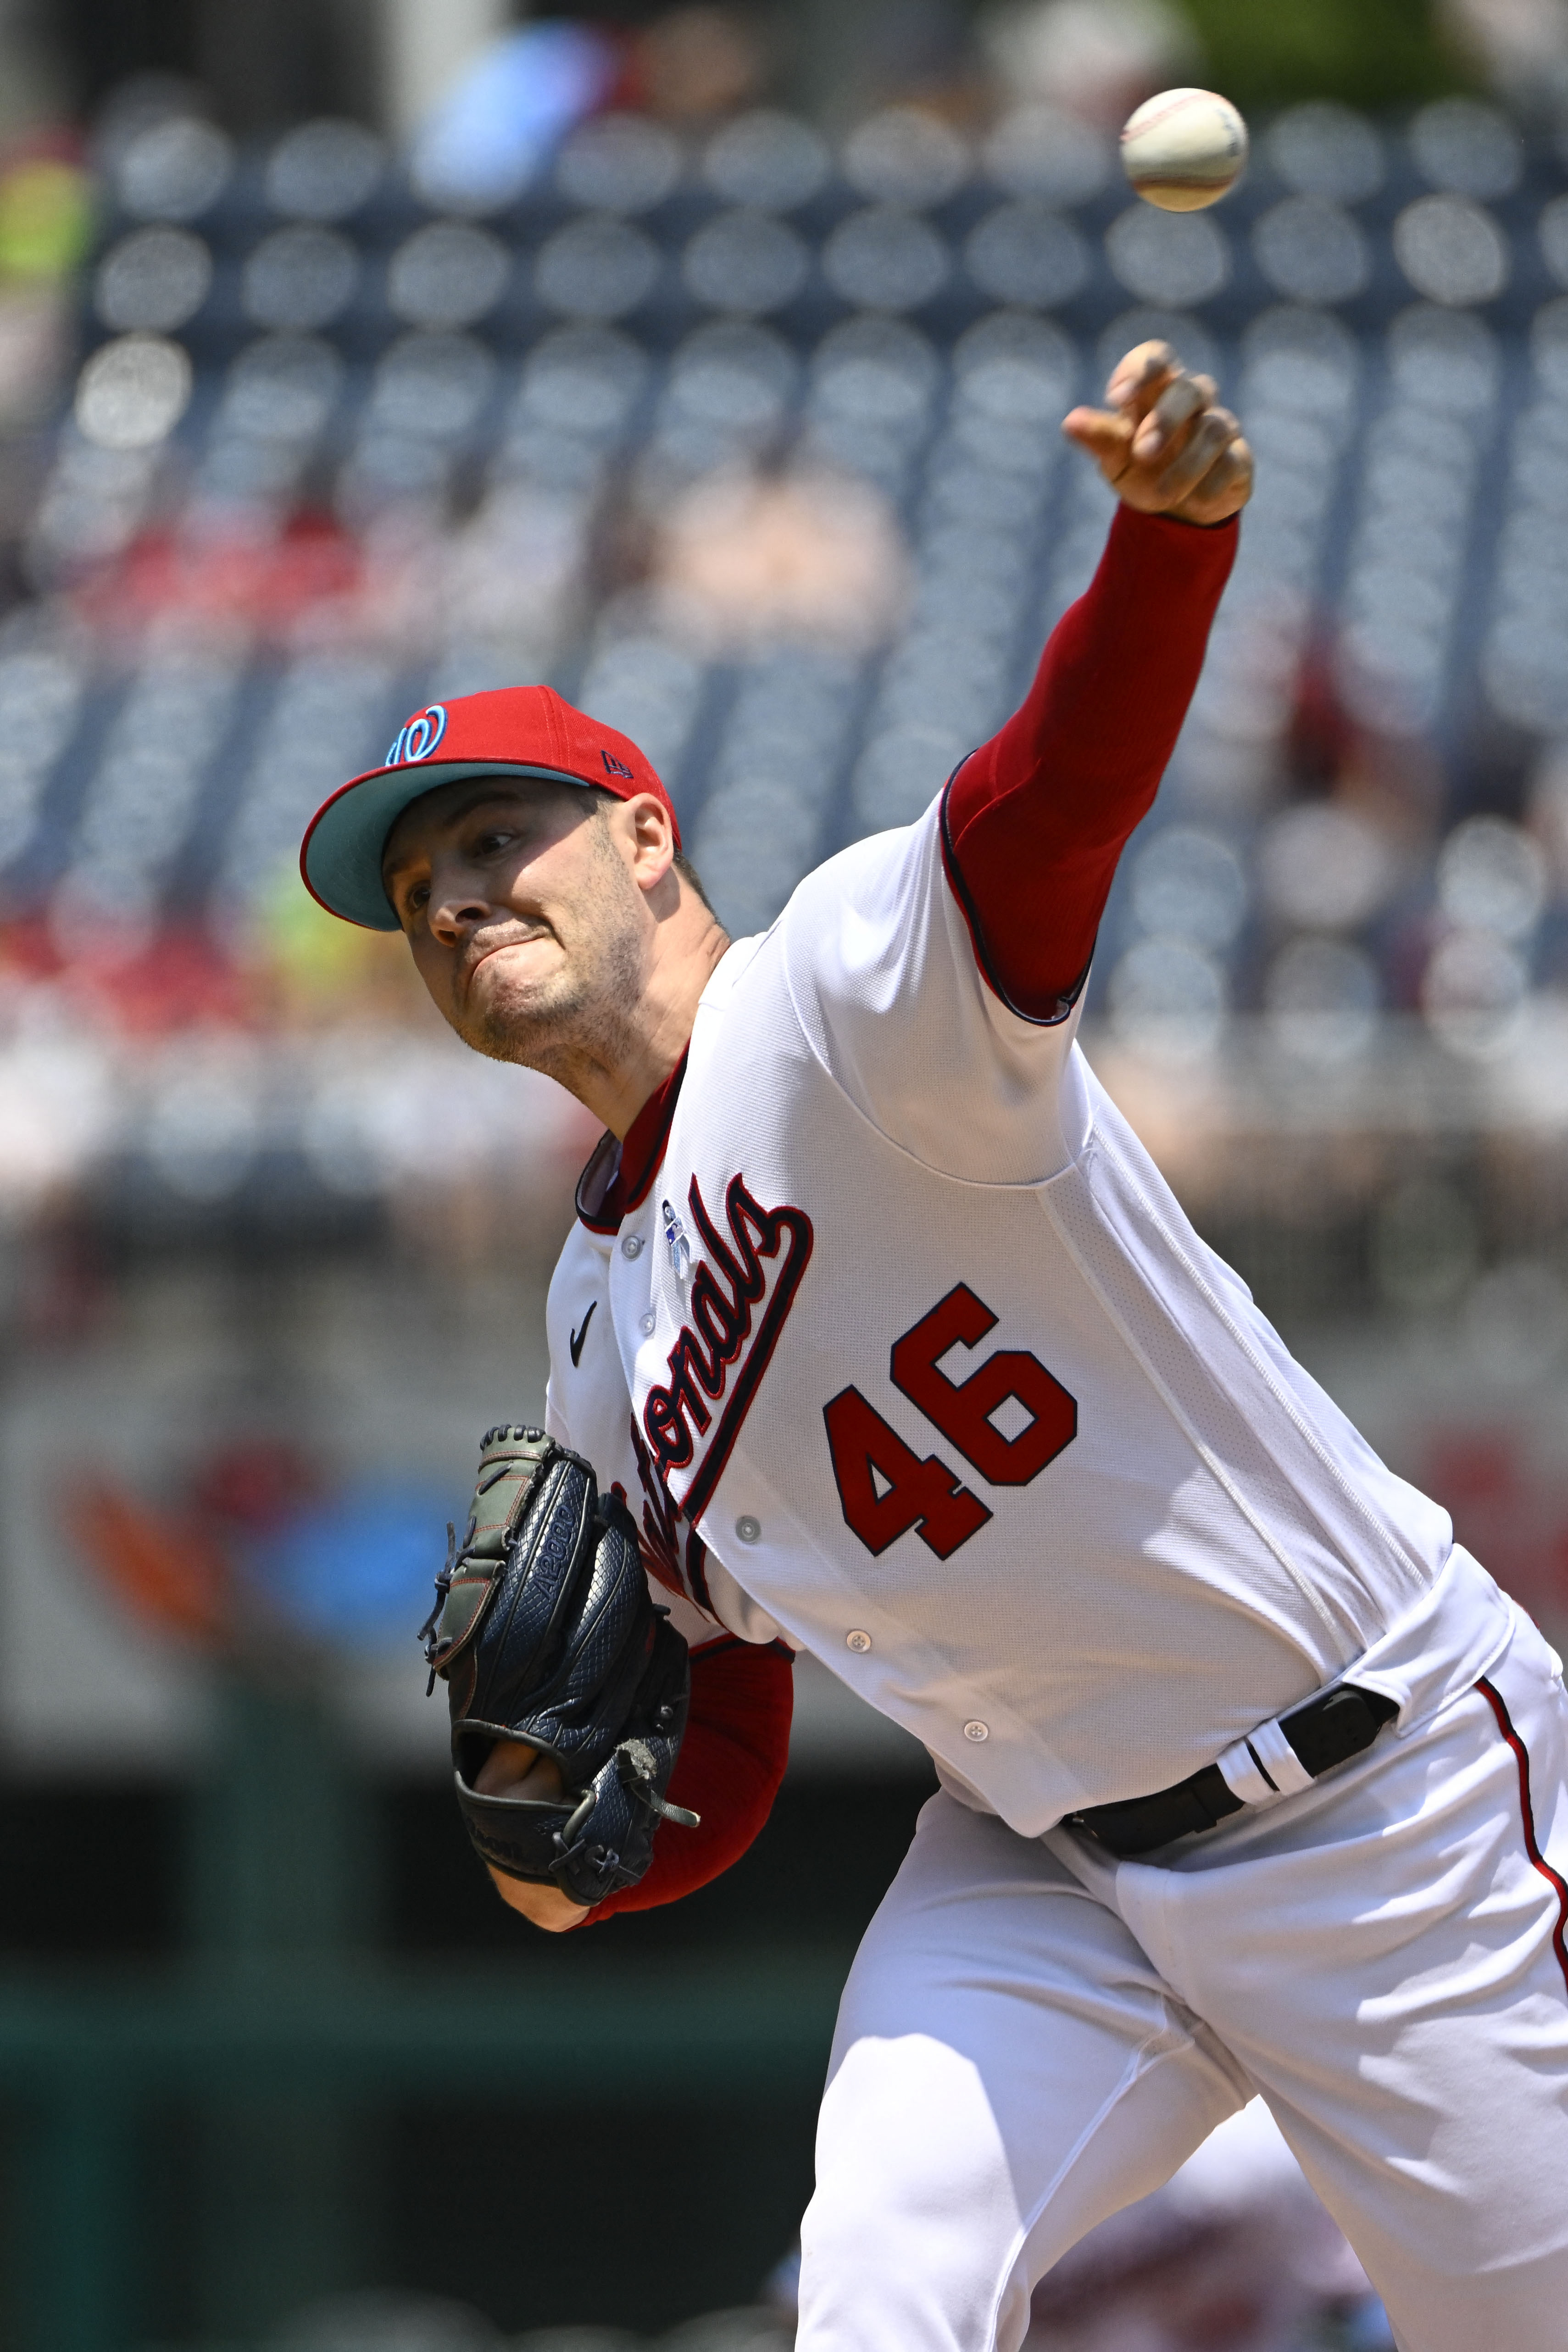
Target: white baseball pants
x,y
1034,2034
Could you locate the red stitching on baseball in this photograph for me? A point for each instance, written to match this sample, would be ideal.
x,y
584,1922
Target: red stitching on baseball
x,y
1177,106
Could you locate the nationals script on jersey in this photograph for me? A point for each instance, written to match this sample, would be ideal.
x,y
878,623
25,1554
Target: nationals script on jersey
x,y
907,1353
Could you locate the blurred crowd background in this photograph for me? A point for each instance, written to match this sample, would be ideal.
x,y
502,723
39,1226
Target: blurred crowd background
x,y
706,361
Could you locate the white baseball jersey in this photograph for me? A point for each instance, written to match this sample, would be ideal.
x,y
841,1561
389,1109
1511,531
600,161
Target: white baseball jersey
x,y
909,1354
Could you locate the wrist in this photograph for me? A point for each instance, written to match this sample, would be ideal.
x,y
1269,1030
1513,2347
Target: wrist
x,y
542,1907
1187,522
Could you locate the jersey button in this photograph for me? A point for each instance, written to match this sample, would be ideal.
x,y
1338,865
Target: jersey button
x,y
631,1245
857,1640
748,1529
646,1322
976,1732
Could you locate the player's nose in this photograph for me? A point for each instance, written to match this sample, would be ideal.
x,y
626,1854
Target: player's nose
x,y
454,913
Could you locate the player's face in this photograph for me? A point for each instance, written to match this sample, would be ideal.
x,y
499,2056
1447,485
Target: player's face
x,y
522,913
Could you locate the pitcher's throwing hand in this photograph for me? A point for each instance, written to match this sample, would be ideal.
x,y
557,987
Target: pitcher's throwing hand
x,y
1163,441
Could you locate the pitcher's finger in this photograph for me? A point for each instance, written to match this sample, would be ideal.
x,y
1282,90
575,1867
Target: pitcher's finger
x,y
1225,489
1185,398
1102,434
1212,433
1137,377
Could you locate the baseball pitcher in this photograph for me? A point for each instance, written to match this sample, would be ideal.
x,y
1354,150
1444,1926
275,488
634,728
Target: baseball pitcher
x,y
878,1334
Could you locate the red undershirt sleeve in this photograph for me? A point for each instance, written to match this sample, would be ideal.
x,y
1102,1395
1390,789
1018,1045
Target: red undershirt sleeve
x,y
728,1771
1034,821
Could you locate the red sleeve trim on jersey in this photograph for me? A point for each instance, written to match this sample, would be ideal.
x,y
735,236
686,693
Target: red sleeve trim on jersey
x,y
1034,822
959,885
730,1764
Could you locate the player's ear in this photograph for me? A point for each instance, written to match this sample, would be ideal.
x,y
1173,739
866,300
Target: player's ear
x,y
652,839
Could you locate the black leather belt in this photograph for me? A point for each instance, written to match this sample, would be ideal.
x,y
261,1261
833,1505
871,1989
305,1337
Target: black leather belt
x,y
1327,1731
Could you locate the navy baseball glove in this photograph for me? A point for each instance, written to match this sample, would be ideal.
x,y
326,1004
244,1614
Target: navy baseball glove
x,y
544,1631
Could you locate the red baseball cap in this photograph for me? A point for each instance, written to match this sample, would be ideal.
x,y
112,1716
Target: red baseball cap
x,y
519,730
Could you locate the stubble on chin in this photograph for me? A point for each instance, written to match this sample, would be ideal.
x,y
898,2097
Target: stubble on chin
x,y
581,1019
509,1020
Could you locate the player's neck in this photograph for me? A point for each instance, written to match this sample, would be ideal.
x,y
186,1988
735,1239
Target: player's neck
x,y
621,1069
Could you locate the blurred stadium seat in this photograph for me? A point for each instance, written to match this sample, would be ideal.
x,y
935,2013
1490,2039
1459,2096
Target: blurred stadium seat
x,y
331,451
295,334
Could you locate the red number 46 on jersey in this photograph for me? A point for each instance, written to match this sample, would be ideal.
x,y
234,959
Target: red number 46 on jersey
x,y
886,1488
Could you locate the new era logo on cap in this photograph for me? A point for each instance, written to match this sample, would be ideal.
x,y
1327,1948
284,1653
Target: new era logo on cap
x,y
614,767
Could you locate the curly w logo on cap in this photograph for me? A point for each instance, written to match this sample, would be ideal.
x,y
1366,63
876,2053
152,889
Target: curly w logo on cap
x,y
417,738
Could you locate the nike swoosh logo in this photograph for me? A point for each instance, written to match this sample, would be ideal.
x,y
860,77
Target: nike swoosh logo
x,y
579,1335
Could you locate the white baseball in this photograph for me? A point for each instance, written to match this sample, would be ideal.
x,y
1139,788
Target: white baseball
x,y
1184,148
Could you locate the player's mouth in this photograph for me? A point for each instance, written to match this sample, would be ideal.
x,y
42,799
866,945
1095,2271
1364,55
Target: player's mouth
x,y
519,939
